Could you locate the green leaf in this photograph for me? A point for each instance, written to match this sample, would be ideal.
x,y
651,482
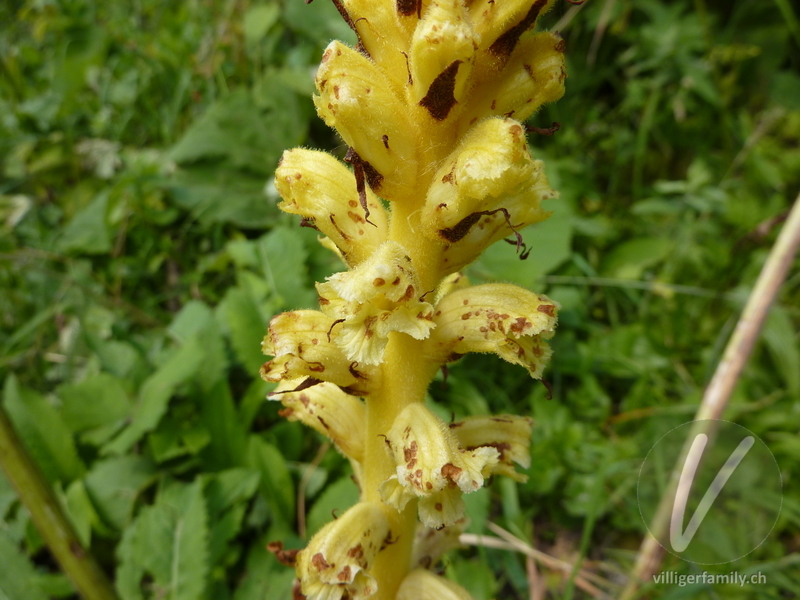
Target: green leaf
x,y
228,437
276,483
257,21
44,434
87,232
631,258
96,401
156,391
114,484
283,259
246,327
226,488
17,575
81,511
169,542
194,317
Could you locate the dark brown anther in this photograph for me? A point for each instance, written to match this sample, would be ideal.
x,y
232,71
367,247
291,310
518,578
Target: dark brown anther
x,y
408,68
308,222
333,514
355,373
543,131
505,44
461,229
440,97
386,440
334,324
354,159
297,593
422,298
385,139
525,253
304,385
286,557
445,375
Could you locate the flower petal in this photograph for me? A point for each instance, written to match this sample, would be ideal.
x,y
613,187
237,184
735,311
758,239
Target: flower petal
x,y
421,584
510,435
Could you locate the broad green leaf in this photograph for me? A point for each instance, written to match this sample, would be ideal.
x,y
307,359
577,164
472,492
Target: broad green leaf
x,y
169,542
276,483
81,511
226,488
156,391
17,575
631,258
264,577
320,22
113,485
246,327
97,400
258,19
194,317
44,434
283,259
7,495
228,437
87,232
339,496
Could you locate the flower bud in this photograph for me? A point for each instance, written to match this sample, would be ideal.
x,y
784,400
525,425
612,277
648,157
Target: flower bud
x,y
322,190
358,101
496,317
336,562
327,409
421,584
432,467
510,435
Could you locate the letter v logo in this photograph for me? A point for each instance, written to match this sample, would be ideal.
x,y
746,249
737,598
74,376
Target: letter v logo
x,y
680,539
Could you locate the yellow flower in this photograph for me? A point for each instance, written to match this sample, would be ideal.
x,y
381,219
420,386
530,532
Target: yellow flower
x,y
377,297
299,340
323,191
495,317
431,466
487,189
336,562
510,435
327,409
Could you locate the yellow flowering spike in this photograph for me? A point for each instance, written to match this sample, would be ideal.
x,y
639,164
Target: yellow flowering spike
x,y
421,584
430,465
510,435
443,47
336,562
357,100
327,409
299,342
495,317
323,191
377,297
534,76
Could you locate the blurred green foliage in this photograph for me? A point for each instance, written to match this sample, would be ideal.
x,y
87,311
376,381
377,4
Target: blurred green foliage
x,y
142,256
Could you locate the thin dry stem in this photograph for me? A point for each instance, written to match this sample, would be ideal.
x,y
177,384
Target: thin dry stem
x,y
721,387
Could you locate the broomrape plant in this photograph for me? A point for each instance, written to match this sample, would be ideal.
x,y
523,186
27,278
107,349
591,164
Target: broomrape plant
x,y
430,103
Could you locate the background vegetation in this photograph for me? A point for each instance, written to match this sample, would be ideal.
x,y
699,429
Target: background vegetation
x,y
142,256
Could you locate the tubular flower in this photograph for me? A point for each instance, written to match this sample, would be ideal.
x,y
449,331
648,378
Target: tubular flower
x,y
336,562
375,298
432,466
429,104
